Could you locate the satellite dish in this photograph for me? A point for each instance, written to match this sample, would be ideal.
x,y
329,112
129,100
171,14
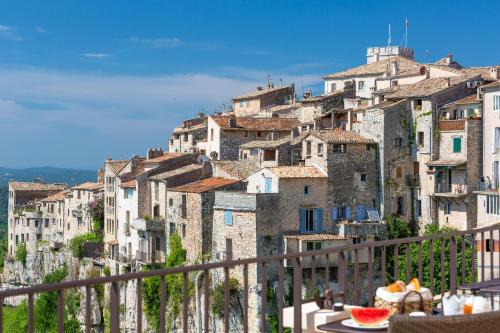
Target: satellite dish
x,y
422,70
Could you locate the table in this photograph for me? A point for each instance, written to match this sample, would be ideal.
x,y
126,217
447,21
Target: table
x,y
490,286
337,327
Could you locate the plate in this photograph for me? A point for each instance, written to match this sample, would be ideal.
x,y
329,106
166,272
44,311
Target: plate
x,y
352,324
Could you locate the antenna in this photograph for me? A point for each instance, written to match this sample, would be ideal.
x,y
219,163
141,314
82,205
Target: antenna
x,y
406,33
302,82
389,39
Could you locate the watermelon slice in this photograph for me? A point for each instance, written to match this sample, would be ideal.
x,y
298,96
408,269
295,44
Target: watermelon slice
x,y
369,316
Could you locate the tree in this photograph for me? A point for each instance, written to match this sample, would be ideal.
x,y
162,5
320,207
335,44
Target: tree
x,y
21,253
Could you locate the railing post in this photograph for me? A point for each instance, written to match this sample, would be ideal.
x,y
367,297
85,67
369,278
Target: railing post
x,y
88,315
453,265
114,312
163,301
139,305
281,282
60,311
341,272
1,314
297,295
245,298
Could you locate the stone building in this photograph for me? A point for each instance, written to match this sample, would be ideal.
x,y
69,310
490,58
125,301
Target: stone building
x,y
264,97
76,202
350,160
53,211
24,222
313,106
190,213
185,138
239,169
227,133
264,153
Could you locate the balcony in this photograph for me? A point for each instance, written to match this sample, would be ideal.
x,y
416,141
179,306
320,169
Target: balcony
x,y
290,287
450,190
150,257
413,181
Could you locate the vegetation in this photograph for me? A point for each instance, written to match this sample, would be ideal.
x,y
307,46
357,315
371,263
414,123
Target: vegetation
x,y
106,271
45,310
76,243
174,287
21,253
218,297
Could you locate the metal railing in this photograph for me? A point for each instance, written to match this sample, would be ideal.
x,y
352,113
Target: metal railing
x,y
461,247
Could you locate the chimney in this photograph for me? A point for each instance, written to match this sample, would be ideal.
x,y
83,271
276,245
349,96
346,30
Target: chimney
x,y
231,122
449,59
448,82
260,88
394,68
154,153
494,73
308,94
201,115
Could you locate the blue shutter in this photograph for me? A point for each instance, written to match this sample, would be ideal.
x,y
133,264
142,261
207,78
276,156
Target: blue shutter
x,y
228,217
318,220
347,213
361,213
268,185
457,145
335,214
302,226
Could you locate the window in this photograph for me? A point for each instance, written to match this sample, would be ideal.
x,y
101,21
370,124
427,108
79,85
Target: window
x,y
229,249
496,103
248,103
183,230
400,206
157,191
398,142
172,228
333,87
184,206
361,85
309,223
228,217
127,221
339,148
492,204
488,245
419,208
211,134
269,155
79,195
418,104
254,152
420,139
259,134
399,172
320,149
457,144
310,246
307,190
447,208
170,202
268,185
128,193
308,148
363,177
241,104
368,147
186,137
245,134
496,144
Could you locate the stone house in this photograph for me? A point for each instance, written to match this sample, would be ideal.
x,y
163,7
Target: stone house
x,y
24,222
313,106
348,159
185,138
227,133
264,97
264,153
239,169
190,213
53,213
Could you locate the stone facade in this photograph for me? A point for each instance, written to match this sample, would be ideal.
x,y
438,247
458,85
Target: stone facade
x,y
250,104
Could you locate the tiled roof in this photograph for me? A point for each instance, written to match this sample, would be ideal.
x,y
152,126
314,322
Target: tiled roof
x,y
59,196
164,157
314,237
443,62
298,172
314,99
299,138
338,135
428,87
190,128
204,185
492,85
470,99
176,172
128,184
387,104
258,93
257,124
452,125
265,143
240,169
116,165
377,68
447,163
88,186
36,186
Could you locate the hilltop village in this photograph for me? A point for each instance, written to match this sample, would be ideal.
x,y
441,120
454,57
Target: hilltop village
x,y
279,173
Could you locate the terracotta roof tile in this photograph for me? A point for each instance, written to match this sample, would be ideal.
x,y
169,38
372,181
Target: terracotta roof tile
x,y
59,196
338,135
492,85
298,172
164,157
88,186
258,93
128,184
452,125
428,87
257,124
265,143
447,163
36,186
204,185
116,165
471,99
176,172
377,68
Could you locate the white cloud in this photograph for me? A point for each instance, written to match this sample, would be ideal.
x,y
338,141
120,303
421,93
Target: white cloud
x,y
158,43
40,30
10,33
96,55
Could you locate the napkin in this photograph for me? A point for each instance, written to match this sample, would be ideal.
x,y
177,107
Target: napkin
x,y
453,305
480,305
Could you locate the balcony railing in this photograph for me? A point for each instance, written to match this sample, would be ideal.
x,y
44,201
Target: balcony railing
x,y
385,264
451,188
149,257
413,181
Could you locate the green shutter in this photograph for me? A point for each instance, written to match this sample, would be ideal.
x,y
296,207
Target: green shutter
x,y
457,145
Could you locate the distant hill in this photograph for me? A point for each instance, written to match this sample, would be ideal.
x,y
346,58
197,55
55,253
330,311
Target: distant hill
x,y
47,175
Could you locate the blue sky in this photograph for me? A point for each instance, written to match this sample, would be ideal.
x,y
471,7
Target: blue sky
x,y
84,80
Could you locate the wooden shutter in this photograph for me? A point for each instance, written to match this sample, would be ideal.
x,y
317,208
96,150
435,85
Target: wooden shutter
x,y
335,214
302,226
318,220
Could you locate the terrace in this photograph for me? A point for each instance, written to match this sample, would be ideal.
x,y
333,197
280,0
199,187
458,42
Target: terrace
x,y
442,261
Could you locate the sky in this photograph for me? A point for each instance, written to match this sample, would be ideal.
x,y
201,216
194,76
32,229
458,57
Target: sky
x,y
81,81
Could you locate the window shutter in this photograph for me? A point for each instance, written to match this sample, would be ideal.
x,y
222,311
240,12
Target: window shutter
x,y
335,214
348,213
302,220
318,220
361,213
228,217
457,145
268,185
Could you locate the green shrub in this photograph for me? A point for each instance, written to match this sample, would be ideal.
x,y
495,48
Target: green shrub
x,y
76,243
106,271
218,297
21,253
